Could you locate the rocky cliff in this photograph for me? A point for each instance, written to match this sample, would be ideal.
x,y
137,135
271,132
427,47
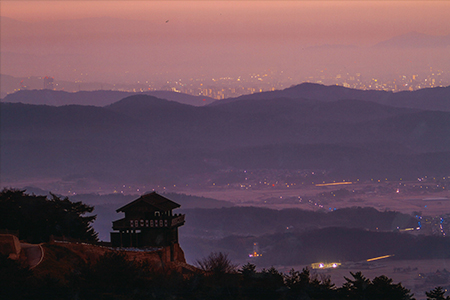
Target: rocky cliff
x,y
62,257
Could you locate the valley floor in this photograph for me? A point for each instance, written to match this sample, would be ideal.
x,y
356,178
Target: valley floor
x,y
382,196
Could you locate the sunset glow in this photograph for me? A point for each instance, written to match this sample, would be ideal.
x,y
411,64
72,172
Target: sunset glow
x,y
160,41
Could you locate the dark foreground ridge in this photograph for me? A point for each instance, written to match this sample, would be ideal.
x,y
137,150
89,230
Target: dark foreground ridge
x,y
66,274
86,270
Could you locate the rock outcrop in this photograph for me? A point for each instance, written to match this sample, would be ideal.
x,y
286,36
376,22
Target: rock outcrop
x,y
10,246
63,257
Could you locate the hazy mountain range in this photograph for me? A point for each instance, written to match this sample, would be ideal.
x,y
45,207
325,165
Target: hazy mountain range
x,y
416,40
425,99
95,98
142,138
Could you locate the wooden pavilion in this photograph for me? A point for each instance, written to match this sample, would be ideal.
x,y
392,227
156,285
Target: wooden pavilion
x,y
148,222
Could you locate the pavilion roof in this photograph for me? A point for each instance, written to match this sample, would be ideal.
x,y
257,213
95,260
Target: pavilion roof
x,y
153,199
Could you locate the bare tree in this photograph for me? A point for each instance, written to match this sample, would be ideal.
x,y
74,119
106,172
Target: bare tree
x,y
216,263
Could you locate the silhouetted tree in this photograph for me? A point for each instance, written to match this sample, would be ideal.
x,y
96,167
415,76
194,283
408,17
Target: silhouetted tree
x,y
267,284
437,294
217,263
356,288
221,281
383,288
273,278
37,217
114,276
248,270
304,286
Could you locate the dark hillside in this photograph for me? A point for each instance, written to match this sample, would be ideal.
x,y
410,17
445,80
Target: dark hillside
x,y
59,98
428,99
143,139
294,236
307,111
96,98
24,122
259,221
343,244
332,244
133,105
314,91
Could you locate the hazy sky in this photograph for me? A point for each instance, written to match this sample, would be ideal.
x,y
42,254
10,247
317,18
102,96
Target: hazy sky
x,y
332,21
137,40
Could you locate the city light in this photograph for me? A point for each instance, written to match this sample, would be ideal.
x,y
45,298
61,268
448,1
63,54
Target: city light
x,y
334,183
323,265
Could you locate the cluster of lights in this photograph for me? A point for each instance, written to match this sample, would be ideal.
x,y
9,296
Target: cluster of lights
x,y
322,265
254,254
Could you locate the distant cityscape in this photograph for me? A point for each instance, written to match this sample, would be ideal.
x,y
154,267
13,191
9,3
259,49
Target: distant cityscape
x,y
229,87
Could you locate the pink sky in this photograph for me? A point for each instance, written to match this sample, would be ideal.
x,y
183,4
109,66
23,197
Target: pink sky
x,y
328,19
206,34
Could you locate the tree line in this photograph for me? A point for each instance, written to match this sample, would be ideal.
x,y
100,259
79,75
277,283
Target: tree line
x,y
37,218
114,276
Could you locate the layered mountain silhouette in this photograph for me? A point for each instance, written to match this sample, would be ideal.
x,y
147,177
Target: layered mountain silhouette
x,y
142,138
427,99
95,98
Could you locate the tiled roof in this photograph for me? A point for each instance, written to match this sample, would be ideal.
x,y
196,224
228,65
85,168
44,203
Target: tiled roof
x,y
159,202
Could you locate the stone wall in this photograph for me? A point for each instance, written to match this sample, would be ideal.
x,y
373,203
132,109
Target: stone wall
x,y
10,245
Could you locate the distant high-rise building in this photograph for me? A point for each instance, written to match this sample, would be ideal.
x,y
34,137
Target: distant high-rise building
x,y
48,83
255,252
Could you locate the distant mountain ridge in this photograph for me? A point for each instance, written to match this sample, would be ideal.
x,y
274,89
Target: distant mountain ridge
x,y
142,138
437,98
415,40
96,98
